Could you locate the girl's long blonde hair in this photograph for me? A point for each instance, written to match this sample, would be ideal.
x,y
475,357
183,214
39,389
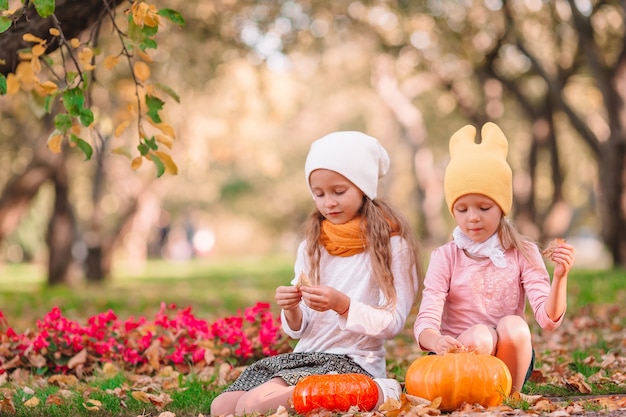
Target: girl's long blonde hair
x,y
510,237
377,215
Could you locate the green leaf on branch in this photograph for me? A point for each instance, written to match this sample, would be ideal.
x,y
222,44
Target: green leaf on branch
x,y
73,100
173,16
167,90
160,166
148,44
3,84
63,122
154,104
151,143
83,146
5,23
143,149
71,77
149,31
48,102
44,8
86,117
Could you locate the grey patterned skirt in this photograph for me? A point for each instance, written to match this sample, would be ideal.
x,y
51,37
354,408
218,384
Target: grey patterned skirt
x,y
292,367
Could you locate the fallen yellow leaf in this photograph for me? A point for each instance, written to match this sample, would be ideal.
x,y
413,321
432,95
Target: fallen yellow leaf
x,y
93,405
79,359
32,402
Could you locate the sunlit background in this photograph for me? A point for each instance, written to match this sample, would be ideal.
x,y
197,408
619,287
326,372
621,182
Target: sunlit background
x,y
259,81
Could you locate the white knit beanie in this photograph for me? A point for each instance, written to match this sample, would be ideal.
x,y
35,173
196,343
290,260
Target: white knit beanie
x,y
358,157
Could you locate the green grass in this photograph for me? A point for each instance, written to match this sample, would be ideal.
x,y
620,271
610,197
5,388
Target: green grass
x,y
212,288
218,288
113,397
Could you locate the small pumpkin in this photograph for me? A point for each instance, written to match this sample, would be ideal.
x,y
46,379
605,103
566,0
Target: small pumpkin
x,y
459,377
335,392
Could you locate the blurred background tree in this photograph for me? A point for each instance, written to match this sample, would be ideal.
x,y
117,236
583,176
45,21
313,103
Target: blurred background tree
x,y
259,81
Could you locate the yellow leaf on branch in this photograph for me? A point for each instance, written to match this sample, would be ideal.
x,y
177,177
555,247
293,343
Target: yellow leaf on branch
x,y
145,57
54,31
35,65
54,141
164,140
13,84
142,71
164,127
85,57
29,37
26,76
144,14
49,87
121,128
136,163
74,43
168,162
25,55
122,150
38,50
111,61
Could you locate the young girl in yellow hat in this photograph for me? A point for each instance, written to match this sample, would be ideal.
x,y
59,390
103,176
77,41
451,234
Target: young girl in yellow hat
x,y
476,286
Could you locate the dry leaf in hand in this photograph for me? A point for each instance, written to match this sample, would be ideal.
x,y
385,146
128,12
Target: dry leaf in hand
x,y
548,252
303,281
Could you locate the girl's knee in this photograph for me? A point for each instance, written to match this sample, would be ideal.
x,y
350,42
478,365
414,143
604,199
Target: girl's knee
x,y
480,337
221,408
225,403
513,328
247,404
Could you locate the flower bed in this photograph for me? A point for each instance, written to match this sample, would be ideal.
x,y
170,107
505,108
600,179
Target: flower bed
x,y
175,337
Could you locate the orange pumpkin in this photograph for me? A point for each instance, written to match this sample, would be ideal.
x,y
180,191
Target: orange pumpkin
x,y
460,377
335,392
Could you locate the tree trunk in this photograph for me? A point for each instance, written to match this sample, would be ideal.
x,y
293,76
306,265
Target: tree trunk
x,y
21,189
612,171
61,231
410,118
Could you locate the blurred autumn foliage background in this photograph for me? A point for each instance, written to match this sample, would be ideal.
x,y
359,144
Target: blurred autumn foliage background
x,y
258,81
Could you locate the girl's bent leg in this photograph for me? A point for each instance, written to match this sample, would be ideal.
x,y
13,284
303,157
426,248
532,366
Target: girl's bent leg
x,y
266,398
225,403
480,338
515,348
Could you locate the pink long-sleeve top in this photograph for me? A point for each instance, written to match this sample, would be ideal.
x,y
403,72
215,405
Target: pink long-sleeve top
x,y
460,292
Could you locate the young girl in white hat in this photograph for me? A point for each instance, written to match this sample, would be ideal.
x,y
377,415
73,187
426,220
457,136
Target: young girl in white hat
x,y
476,286
362,261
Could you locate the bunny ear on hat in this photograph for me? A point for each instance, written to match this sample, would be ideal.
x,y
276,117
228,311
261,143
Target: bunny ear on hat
x,y
479,168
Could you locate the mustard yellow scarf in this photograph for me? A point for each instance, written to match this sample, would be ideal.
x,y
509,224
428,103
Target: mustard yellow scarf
x,y
346,239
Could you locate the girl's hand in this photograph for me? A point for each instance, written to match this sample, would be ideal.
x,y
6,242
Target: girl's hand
x,y
445,344
288,297
323,298
563,258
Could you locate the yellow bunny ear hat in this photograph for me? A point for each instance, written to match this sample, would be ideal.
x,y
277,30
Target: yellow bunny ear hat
x,y
479,168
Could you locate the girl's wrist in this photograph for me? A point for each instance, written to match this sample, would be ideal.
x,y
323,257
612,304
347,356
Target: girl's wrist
x,y
341,313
